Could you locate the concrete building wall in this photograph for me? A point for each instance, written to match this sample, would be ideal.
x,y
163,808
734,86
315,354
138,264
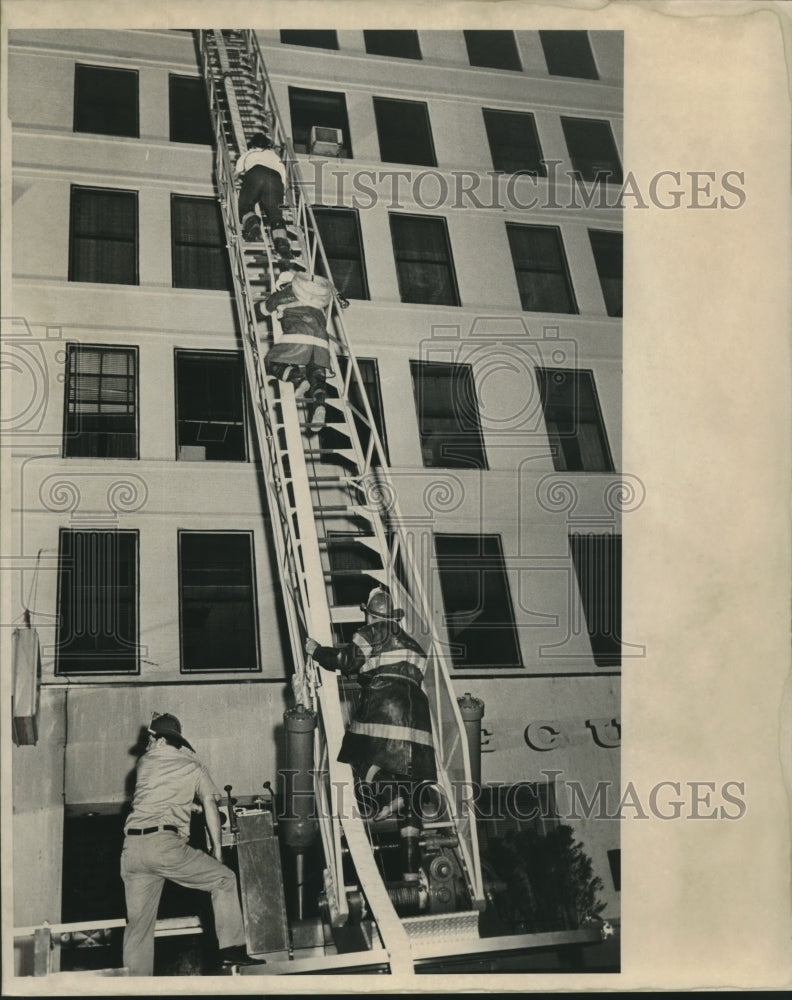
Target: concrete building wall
x,y
518,497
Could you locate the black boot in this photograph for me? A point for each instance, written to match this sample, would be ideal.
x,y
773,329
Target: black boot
x,y
251,229
282,248
237,955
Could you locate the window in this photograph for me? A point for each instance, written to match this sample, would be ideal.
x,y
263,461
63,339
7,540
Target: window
x,y
189,111
97,629
402,44
351,560
404,133
217,602
339,231
210,407
318,109
568,53
100,410
574,423
478,607
504,809
540,267
106,101
316,39
424,265
614,863
607,250
592,149
597,560
493,49
103,236
369,374
448,418
199,255
513,142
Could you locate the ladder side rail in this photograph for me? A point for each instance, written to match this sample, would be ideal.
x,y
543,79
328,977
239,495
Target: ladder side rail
x,y
331,713
309,227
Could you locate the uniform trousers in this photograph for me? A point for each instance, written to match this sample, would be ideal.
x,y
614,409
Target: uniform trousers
x,y
146,862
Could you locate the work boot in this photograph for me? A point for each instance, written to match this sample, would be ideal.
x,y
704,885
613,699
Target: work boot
x,y
251,229
237,955
282,248
299,381
319,414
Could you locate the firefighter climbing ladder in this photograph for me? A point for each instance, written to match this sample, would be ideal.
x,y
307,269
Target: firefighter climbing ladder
x,y
322,487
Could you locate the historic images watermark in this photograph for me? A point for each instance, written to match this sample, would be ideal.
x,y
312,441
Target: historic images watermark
x,y
551,188
568,799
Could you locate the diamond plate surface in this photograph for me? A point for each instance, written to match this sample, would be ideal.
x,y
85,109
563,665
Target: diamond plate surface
x,y
443,927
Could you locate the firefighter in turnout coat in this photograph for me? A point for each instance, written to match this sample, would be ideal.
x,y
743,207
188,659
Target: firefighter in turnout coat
x,y
389,740
302,355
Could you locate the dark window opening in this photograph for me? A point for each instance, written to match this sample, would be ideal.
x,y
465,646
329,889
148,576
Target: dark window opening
x,y
574,422
514,143
315,39
369,374
97,630
402,44
608,256
106,101
103,236
198,247
493,49
339,230
614,861
210,407
404,132
540,267
317,116
597,560
100,411
568,53
350,562
448,416
424,266
218,613
479,617
189,111
502,809
592,149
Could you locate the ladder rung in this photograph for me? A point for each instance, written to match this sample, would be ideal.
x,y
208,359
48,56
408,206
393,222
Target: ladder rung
x,y
347,615
345,508
339,452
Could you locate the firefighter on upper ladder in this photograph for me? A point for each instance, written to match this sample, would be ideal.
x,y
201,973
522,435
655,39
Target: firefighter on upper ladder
x,y
389,741
263,184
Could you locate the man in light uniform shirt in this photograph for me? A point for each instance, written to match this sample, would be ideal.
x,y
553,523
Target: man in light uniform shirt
x,y
169,778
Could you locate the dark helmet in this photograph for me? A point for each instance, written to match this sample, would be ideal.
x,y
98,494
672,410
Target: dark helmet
x,y
167,725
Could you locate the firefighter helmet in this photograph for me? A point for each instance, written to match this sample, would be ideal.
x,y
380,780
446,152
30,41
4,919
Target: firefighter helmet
x,y
167,725
380,605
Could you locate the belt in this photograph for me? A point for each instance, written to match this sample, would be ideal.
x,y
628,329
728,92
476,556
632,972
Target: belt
x,y
151,829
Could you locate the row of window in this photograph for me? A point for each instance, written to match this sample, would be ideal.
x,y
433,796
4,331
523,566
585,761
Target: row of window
x,y
104,248
101,410
106,103
404,134
98,598
567,53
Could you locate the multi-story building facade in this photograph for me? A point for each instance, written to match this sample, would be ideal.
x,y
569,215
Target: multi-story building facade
x,y
483,270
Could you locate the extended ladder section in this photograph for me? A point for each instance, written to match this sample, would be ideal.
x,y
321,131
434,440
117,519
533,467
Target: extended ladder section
x,y
332,502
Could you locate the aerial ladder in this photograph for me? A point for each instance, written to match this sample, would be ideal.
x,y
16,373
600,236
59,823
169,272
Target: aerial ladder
x,y
321,487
